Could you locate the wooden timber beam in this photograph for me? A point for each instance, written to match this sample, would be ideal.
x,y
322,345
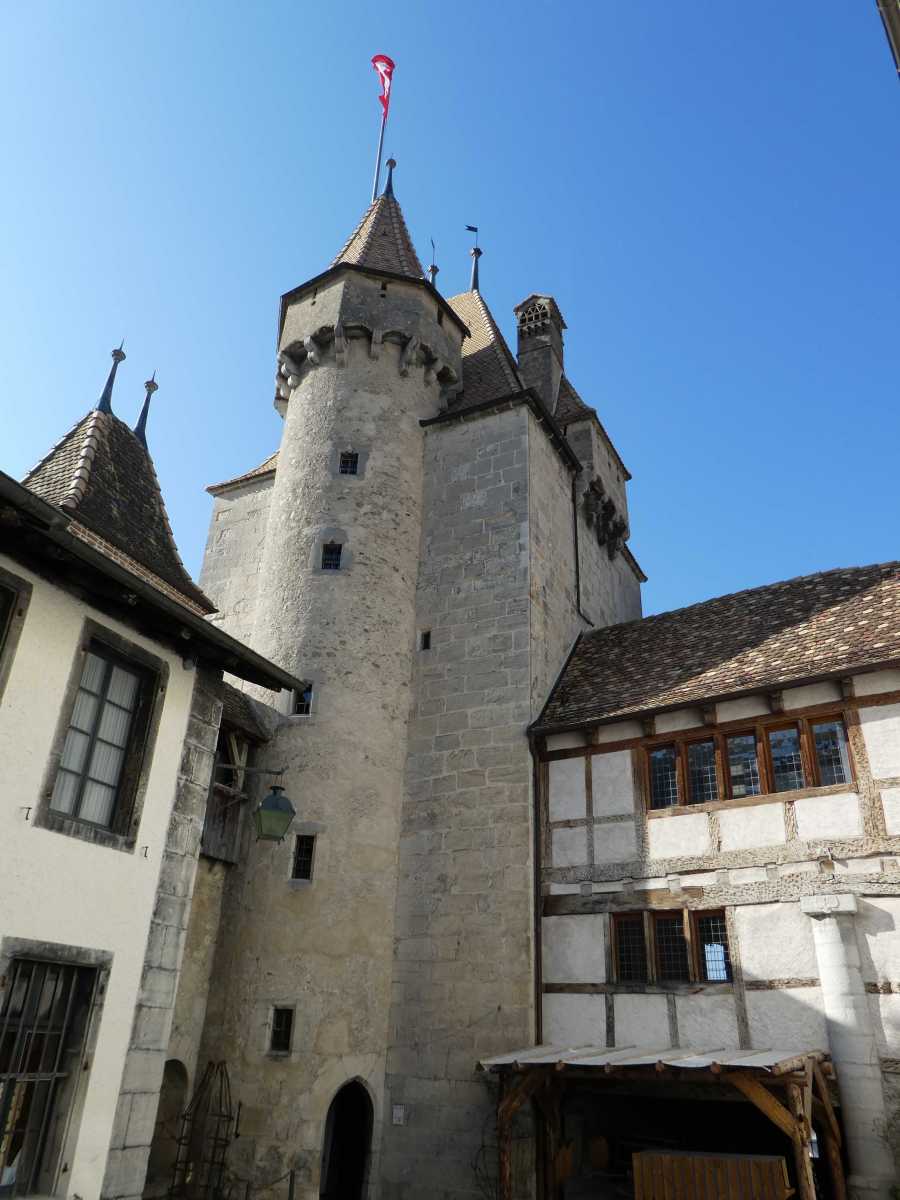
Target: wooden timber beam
x,y
806,1186
763,1099
825,1100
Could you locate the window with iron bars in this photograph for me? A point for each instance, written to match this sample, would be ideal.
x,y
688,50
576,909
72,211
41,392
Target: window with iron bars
x,y
282,1031
304,853
331,556
349,463
44,1020
671,947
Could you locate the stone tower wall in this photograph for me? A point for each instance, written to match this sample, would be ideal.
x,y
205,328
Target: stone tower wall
x,y
233,557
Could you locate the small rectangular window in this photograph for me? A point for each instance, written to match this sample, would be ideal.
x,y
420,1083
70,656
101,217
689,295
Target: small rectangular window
x,y
282,1030
331,556
831,752
349,464
630,948
104,730
743,767
703,785
787,761
712,947
663,777
303,702
672,960
304,853
426,639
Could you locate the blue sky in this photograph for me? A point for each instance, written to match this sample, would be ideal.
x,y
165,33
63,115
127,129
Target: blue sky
x,y
709,190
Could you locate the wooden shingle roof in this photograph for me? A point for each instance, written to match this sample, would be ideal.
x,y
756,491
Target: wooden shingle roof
x,y
811,627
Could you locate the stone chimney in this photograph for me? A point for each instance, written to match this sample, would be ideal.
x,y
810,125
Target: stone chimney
x,y
540,347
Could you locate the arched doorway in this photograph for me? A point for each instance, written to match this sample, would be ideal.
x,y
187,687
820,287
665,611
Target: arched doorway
x,y
348,1140
172,1103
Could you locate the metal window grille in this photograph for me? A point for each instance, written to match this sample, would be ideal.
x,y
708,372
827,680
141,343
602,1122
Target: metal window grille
x,y
303,702
663,777
671,948
282,1029
331,556
349,464
712,939
304,849
787,764
631,949
703,784
43,1023
97,741
831,752
743,767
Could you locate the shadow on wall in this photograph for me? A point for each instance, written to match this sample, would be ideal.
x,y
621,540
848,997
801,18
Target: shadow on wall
x,y
173,1098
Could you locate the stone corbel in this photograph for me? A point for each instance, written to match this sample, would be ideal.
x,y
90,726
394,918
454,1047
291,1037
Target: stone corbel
x,y
375,344
287,377
340,345
312,352
409,355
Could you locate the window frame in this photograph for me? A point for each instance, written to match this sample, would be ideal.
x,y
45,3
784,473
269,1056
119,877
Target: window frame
x,y
759,730
653,978
311,837
20,591
273,1050
122,833
328,552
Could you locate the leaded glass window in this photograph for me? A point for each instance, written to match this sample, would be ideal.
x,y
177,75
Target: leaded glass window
x,y
743,766
703,784
663,777
831,752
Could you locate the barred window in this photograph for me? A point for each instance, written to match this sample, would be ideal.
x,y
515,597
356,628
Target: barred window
x,y
105,734
331,556
282,1031
702,780
663,777
630,948
672,962
712,947
304,851
303,701
349,463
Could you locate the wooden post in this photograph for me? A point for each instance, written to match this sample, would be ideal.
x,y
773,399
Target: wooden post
x,y
504,1157
291,1185
806,1187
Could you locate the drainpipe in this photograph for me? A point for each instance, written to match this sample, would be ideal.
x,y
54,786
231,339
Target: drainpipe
x,y
851,1035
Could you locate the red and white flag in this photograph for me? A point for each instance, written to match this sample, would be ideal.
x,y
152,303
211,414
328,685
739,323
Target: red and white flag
x,y
385,68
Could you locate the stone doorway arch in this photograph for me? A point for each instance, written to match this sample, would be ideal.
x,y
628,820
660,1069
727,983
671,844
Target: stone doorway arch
x,y
347,1145
164,1147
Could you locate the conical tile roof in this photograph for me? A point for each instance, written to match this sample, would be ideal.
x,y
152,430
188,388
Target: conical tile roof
x,y
381,242
489,369
102,475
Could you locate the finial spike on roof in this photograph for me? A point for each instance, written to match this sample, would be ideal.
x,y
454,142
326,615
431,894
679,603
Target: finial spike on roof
x,y
104,404
140,430
476,253
434,268
389,186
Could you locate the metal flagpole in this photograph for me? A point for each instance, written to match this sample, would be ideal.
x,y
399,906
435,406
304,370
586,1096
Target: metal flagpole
x,y
378,158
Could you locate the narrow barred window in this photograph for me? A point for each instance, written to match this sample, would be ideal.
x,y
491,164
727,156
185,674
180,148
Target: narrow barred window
x,y
631,948
303,701
331,556
304,852
672,962
282,1030
349,464
663,777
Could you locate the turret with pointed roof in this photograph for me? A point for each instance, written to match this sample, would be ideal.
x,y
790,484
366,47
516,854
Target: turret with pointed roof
x,y
101,473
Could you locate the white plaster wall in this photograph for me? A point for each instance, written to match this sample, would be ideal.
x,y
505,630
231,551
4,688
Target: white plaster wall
x,y
574,1020
881,730
570,846
679,837
616,842
738,710
707,1021
565,741
612,783
684,718
755,825
574,948
890,802
642,1021
618,731
828,816
57,888
878,937
775,942
786,1018
885,1012
875,682
809,694
568,795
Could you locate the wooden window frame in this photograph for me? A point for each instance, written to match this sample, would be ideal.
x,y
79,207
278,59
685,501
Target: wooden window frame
x,y
760,730
690,919
274,1051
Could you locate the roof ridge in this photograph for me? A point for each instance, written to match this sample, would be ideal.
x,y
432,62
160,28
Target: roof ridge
x,y
267,464
361,249
491,337
891,564
85,425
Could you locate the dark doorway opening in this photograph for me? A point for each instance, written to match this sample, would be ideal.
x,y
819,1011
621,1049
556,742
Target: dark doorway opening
x,y
348,1140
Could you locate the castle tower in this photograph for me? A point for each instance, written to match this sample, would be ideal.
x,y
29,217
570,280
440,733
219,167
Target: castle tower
x,y
366,351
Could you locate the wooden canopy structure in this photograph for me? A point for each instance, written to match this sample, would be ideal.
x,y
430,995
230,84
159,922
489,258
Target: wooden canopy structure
x,y
791,1088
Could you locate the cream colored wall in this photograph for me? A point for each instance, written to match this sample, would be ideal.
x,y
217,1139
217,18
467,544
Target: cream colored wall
x,y
55,888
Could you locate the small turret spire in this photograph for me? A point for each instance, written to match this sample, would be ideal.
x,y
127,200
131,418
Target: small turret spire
x,y
104,404
389,185
434,268
476,253
140,430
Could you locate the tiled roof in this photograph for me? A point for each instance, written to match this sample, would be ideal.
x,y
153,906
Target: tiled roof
x,y
381,242
266,467
489,369
238,711
760,639
102,475
571,408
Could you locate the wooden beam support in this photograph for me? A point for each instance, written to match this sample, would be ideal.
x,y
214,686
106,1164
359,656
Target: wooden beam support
x,y
825,1100
515,1094
763,1099
806,1186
